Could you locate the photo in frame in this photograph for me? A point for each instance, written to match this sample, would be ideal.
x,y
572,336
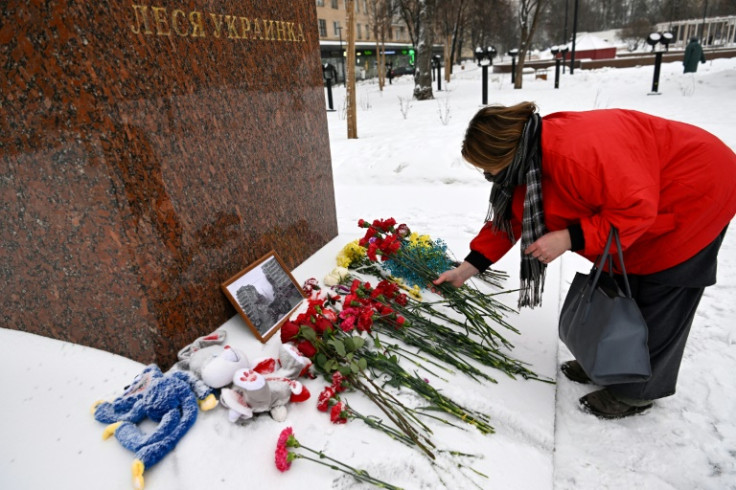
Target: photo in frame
x,y
264,294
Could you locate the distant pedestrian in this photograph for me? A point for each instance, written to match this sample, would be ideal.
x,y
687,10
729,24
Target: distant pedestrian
x,y
693,54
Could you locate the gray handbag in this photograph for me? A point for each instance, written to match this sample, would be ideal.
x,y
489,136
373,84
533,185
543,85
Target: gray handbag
x,y
603,327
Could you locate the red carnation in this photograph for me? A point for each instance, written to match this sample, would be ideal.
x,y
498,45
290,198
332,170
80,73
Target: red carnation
x,y
283,457
330,315
338,415
323,401
338,382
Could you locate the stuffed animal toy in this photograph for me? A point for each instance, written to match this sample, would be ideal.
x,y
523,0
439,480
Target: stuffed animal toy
x,y
169,399
194,356
268,387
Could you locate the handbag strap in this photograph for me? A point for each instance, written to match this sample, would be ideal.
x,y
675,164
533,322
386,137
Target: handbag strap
x,y
613,234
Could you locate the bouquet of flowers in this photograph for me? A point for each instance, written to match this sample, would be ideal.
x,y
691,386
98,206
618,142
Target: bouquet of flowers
x,y
337,332
361,337
394,252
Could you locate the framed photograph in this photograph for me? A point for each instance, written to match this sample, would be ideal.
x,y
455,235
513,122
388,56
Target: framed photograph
x,y
265,294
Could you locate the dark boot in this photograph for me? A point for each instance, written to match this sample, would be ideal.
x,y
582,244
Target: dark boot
x,y
603,404
574,372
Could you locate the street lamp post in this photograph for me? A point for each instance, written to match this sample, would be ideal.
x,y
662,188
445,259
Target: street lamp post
x,y
702,31
653,39
555,50
328,73
574,37
342,54
437,65
513,53
485,59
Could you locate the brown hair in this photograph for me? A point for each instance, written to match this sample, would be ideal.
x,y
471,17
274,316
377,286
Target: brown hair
x,y
493,135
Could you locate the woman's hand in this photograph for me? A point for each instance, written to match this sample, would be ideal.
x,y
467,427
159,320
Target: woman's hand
x,y
457,276
550,246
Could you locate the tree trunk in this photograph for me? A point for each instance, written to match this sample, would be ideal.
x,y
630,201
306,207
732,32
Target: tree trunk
x,y
423,75
527,8
380,64
350,71
448,58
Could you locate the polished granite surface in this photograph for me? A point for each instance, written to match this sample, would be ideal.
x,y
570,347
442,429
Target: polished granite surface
x,y
148,152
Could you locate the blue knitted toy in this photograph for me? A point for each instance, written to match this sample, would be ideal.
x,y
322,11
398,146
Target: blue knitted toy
x,y
169,399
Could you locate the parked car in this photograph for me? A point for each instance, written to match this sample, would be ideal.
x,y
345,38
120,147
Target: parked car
x,y
397,71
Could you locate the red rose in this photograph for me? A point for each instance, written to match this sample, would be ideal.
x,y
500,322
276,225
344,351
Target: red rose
x,y
288,331
402,299
322,324
337,414
306,348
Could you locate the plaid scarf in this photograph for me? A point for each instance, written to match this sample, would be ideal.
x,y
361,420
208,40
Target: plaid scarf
x,y
526,168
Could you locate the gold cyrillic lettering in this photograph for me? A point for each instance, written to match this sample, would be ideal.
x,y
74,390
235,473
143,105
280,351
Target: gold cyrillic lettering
x,y
280,30
217,20
257,29
176,13
159,15
232,31
292,34
268,30
244,27
150,20
140,14
195,18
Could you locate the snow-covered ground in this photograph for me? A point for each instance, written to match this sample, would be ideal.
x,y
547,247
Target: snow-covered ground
x,y
408,165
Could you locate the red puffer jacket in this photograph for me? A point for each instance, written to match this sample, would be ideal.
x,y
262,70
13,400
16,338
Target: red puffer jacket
x,y
669,187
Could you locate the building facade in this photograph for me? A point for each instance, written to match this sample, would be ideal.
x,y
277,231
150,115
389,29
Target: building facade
x,y
331,25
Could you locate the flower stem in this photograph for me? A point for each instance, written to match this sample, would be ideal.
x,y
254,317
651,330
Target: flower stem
x,y
360,475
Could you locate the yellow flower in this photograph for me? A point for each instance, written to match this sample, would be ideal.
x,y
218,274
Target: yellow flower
x,y
420,240
414,291
352,252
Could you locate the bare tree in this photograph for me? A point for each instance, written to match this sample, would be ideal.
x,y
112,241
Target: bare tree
x,y
450,17
381,13
529,14
423,74
409,12
350,82
635,33
488,22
